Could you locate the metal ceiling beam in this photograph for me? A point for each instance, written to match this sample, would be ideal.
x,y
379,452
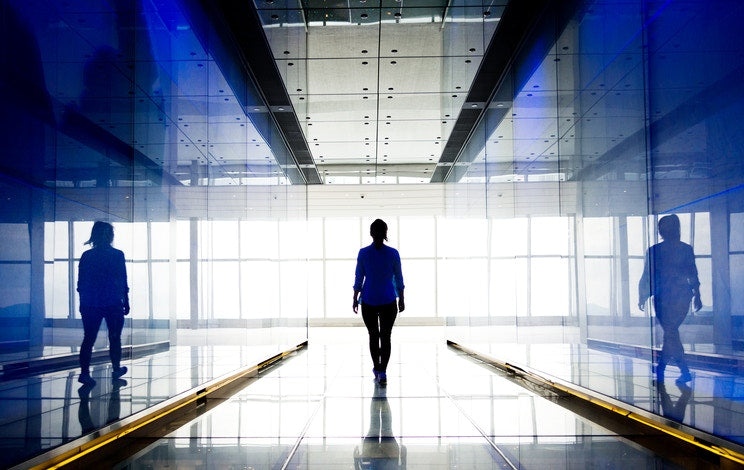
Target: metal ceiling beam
x,y
515,36
232,32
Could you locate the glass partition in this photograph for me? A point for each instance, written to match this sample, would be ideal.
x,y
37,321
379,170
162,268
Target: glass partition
x,y
120,112
613,117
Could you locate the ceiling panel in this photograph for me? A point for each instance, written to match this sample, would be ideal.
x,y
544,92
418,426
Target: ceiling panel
x,y
373,82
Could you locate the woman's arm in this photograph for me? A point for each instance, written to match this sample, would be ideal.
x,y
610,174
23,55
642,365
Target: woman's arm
x,y
398,282
644,289
122,267
358,280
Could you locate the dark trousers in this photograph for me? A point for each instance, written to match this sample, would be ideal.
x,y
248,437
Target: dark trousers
x,y
92,317
670,313
379,320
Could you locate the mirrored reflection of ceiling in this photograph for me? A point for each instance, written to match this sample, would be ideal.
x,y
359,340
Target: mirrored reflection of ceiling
x,y
135,98
377,87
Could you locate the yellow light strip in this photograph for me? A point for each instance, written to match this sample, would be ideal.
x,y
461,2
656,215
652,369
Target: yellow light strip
x,y
79,452
537,379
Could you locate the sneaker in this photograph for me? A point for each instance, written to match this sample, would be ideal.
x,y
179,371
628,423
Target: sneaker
x,y
119,372
685,377
86,380
118,383
382,377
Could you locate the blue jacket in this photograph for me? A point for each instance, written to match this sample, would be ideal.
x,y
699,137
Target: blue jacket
x,y
669,271
102,278
378,275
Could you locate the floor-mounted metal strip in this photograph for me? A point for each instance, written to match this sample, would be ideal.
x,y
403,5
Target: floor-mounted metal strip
x,y
667,438
108,445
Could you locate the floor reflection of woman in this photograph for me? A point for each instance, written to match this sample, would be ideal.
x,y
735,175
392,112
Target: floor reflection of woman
x,y
379,449
103,289
670,408
379,279
670,276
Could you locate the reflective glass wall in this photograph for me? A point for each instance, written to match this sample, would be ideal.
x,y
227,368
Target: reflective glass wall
x,y
614,116
127,112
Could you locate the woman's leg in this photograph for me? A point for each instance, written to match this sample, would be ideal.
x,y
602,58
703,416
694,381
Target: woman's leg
x,y
91,323
388,313
370,316
674,348
671,312
115,325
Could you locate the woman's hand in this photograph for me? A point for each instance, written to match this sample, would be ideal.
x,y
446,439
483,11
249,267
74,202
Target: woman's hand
x,y
697,303
401,304
355,306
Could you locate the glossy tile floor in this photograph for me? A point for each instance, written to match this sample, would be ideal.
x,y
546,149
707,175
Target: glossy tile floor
x,y
713,401
322,410
41,412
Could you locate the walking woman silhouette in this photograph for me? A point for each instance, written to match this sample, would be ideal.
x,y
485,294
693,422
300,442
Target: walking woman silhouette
x,y
670,276
104,294
379,280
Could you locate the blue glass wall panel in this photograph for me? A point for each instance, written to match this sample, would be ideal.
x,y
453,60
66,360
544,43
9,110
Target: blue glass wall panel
x,y
130,112
606,123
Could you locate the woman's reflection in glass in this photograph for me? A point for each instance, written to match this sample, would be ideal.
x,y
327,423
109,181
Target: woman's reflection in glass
x,y
104,294
379,449
670,408
113,409
670,276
